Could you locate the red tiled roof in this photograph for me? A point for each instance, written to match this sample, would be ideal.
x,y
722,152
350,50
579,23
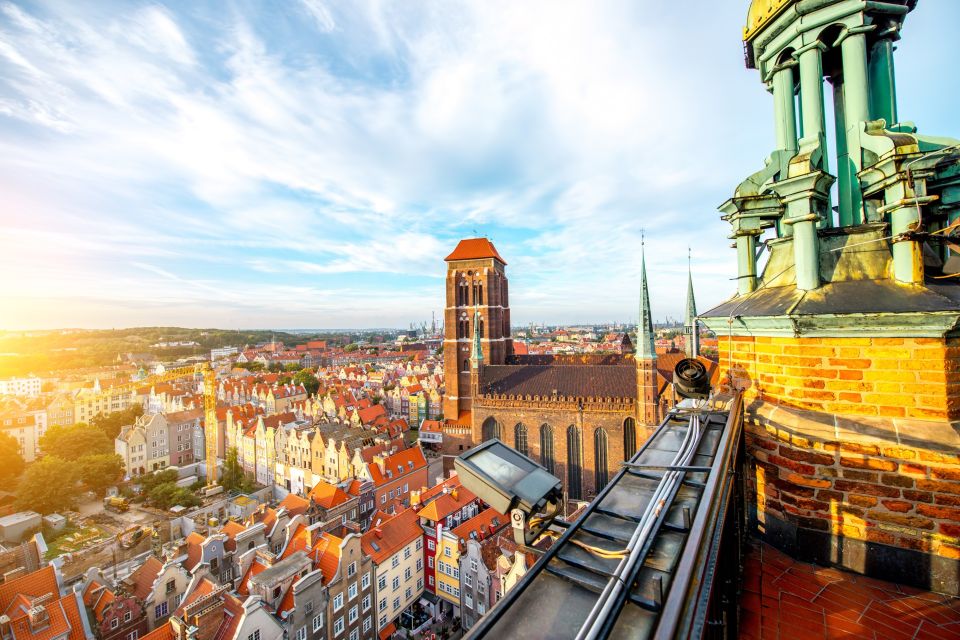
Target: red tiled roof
x,y
35,584
801,600
328,495
446,504
394,534
163,632
204,587
255,567
144,577
483,521
194,552
399,460
474,248
294,504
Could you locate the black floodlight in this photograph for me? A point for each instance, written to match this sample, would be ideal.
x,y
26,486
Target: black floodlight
x,y
512,483
691,380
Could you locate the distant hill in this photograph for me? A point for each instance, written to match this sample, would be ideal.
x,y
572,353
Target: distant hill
x,y
43,352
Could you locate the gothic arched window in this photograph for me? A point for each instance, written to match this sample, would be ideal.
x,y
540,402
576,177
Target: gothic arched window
x,y
520,438
574,471
600,474
491,429
629,438
546,448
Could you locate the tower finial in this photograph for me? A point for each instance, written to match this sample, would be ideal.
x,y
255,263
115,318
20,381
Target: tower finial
x,y
691,332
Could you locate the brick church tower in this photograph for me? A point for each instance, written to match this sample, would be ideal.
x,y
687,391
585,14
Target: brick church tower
x,y
846,345
476,294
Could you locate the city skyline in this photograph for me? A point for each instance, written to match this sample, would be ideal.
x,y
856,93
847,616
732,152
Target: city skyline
x,y
178,166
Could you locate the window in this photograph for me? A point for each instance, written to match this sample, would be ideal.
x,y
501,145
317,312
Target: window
x,y
468,580
629,438
419,584
383,621
354,614
406,553
355,634
352,591
367,623
133,635
396,603
446,552
473,565
383,604
431,545
420,564
317,622
338,602
351,569
468,600
383,499
171,586
407,574
601,475
114,623
302,633
408,593
520,438
255,635
480,608
396,582
419,544
546,447
365,603
160,610
430,562
127,616
382,583
491,429
338,626
574,475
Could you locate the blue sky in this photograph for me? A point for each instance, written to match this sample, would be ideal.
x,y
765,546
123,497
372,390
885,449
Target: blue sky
x,y
309,164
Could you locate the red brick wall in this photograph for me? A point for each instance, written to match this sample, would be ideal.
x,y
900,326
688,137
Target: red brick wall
x,y
877,491
889,377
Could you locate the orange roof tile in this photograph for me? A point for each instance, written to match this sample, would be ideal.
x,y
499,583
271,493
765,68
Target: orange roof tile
x,y
394,534
294,504
255,567
163,632
398,465
204,587
445,504
35,584
328,495
144,577
488,521
474,248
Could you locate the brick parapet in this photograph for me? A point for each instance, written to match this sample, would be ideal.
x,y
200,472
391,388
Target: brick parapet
x,y
885,377
894,482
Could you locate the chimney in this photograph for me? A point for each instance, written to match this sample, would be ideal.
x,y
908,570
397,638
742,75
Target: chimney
x,y
39,618
378,532
454,493
414,497
14,573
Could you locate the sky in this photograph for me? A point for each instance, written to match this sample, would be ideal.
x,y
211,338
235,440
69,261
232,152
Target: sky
x,y
309,164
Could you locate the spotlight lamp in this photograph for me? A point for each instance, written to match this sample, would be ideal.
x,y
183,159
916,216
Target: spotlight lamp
x,y
512,483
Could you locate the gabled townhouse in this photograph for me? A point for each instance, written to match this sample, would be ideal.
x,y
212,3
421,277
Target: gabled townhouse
x,y
274,523
210,612
347,575
144,445
450,546
114,614
34,608
490,565
443,506
393,475
395,545
181,434
160,586
211,555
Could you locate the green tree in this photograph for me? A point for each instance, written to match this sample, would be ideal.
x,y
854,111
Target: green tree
x,y
111,423
232,477
11,462
292,366
49,485
75,441
307,380
149,481
100,471
351,347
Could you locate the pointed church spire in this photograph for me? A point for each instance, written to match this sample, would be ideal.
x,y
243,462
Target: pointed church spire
x,y
476,356
690,330
646,349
